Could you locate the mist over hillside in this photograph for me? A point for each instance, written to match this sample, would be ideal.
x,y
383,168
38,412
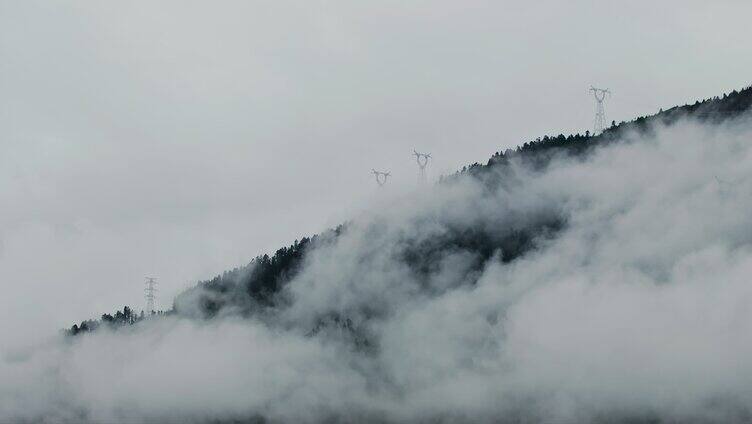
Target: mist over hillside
x,y
577,279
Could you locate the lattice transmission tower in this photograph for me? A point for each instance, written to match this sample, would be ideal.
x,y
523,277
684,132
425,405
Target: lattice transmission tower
x,y
422,160
380,177
600,114
149,294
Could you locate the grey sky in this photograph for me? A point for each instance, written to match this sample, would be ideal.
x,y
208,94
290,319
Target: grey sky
x,y
180,138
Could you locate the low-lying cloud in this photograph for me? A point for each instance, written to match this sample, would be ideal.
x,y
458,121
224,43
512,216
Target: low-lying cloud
x,y
638,306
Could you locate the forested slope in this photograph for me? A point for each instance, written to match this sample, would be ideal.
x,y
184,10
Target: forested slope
x,y
258,288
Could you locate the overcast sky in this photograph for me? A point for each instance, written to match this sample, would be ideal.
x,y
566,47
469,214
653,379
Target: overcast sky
x,y
177,139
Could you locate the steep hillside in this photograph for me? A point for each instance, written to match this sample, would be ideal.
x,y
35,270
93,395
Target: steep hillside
x,y
576,279
258,287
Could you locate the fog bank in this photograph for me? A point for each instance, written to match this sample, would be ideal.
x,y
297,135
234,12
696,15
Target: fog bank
x,y
639,306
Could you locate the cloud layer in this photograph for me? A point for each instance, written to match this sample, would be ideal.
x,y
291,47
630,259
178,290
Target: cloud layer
x,y
640,306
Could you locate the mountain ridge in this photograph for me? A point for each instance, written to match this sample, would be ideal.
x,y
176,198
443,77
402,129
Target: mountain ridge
x,y
259,285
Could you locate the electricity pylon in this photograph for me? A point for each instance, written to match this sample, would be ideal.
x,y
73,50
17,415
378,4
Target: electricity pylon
x,y
149,295
600,113
380,177
422,160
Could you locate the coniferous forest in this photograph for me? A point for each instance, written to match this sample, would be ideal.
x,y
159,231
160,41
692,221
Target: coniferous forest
x,y
256,288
